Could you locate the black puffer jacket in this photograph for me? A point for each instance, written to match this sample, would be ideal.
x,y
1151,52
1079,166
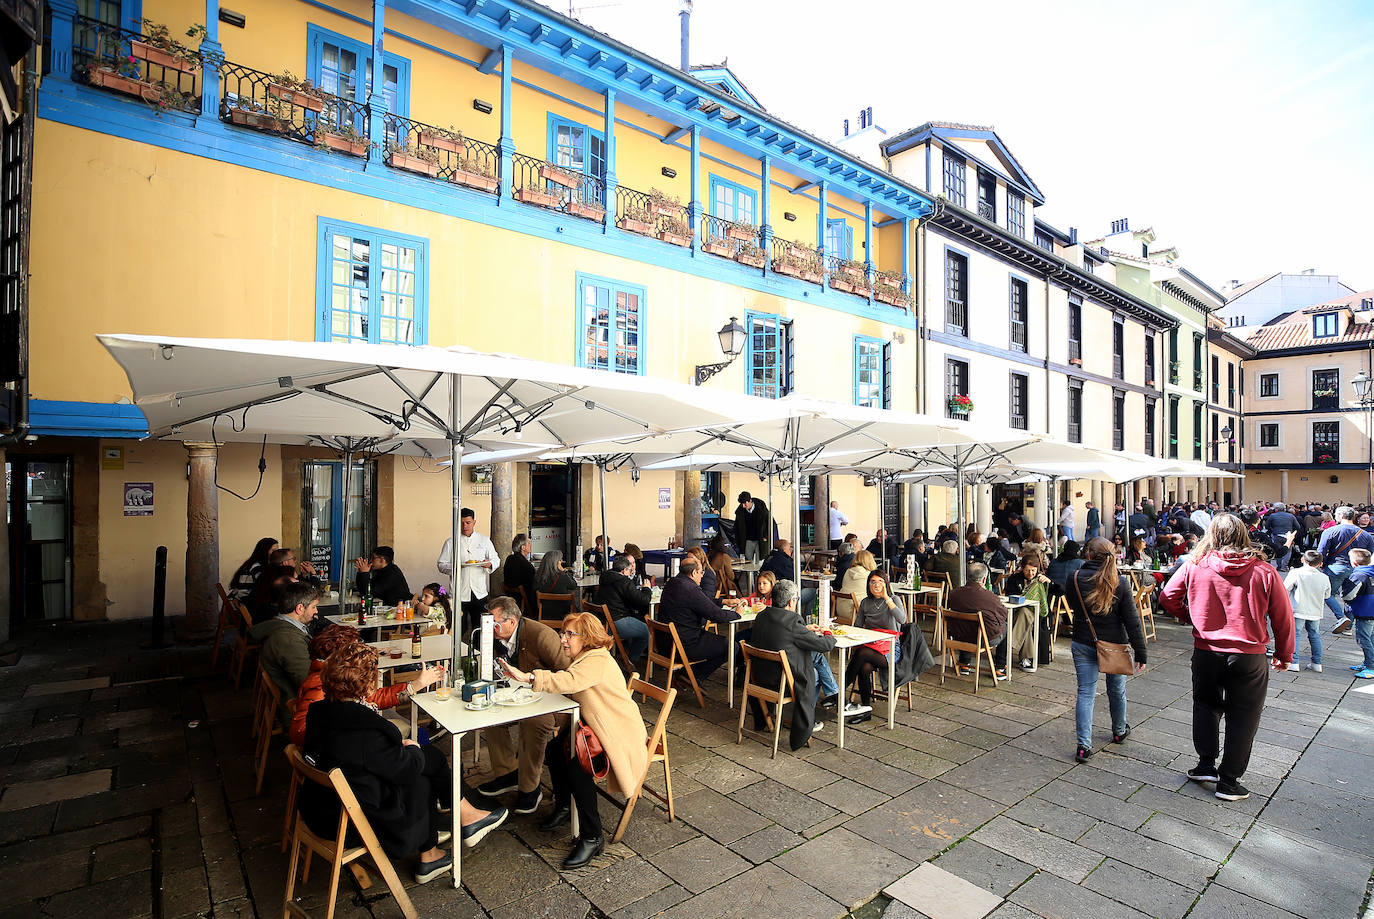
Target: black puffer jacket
x,y
1120,624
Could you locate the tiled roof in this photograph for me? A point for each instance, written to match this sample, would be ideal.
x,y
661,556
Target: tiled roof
x,y
1352,302
1297,331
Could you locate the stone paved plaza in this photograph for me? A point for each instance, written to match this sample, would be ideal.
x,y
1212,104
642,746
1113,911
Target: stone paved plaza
x,y
128,792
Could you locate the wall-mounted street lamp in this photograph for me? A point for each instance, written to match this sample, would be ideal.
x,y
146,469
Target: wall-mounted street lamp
x,y
731,337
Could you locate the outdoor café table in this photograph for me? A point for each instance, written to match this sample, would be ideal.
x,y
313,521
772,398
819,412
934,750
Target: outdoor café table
x,y
913,593
588,583
432,648
454,716
752,570
1028,609
668,558
849,636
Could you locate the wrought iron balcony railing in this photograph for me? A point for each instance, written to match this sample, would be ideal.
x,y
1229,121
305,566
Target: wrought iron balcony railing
x,y
292,108
652,213
848,275
126,62
798,260
557,188
441,154
740,242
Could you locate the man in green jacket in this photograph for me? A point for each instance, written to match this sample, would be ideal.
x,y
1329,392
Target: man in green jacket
x,y
947,560
285,639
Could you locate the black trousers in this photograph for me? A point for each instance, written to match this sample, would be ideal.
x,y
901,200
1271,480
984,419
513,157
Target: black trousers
x,y
1234,686
571,781
472,611
862,662
440,779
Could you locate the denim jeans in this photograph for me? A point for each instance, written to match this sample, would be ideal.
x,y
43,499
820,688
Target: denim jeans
x,y
635,636
1313,628
825,677
1085,665
1364,634
808,602
1337,572
1092,533
1068,533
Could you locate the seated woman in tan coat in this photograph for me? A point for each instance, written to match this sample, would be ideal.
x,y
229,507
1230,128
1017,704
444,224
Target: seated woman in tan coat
x,y
595,682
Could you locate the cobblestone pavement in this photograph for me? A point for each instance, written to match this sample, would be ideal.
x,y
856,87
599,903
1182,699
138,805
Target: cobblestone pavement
x,y
128,792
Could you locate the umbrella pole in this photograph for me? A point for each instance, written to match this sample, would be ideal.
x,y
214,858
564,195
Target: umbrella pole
x,y
1054,527
796,518
963,525
343,541
455,422
601,481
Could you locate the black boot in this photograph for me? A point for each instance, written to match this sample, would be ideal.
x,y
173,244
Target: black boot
x,y
560,815
587,848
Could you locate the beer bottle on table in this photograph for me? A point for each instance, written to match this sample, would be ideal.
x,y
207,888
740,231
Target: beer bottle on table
x,y
367,599
416,646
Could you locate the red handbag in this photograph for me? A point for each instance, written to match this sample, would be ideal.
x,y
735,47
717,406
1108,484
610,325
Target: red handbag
x,y
882,647
590,754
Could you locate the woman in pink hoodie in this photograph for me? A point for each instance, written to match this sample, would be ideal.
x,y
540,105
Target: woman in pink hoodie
x,y
1227,591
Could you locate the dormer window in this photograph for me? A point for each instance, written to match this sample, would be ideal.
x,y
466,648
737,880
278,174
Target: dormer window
x,y
1326,325
987,196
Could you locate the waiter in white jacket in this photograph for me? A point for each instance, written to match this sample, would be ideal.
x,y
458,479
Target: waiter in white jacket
x,y
477,558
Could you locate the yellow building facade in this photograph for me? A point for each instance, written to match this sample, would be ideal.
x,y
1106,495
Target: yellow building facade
x,y
491,175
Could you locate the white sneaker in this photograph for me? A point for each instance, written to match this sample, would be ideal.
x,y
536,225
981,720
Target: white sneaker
x,y
1315,668
855,708
1342,625
1026,663
1294,666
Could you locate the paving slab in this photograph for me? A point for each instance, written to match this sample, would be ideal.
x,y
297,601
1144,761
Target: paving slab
x,y
1006,774
783,805
1093,803
561,901
721,818
1291,871
925,820
1186,868
1319,811
1147,892
698,864
766,890
1053,897
1044,850
1052,818
766,843
941,895
59,788
56,688
985,867
849,796
844,867
1218,902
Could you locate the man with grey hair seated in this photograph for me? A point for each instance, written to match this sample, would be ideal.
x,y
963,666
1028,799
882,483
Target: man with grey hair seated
x,y
780,628
1335,545
973,597
947,560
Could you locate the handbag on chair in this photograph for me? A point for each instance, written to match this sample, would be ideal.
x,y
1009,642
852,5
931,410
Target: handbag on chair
x,y
1111,656
590,754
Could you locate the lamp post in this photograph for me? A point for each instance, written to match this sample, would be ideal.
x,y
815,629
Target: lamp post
x,y
1364,395
731,337
1226,433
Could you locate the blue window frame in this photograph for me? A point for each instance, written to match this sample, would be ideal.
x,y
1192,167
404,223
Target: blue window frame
x,y
339,65
373,285
872,372
839,238
768,355
577,147
610,324
732,201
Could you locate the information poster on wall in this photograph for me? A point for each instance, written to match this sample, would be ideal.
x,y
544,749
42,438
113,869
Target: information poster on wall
x,y
322,557
665,498
138,499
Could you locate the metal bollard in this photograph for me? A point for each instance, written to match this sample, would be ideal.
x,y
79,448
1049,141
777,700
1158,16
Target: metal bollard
x,y
159,597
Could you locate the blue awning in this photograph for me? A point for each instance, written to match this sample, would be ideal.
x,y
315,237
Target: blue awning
x,y
85,419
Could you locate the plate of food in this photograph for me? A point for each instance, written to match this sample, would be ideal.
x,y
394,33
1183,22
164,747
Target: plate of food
x,y
516,695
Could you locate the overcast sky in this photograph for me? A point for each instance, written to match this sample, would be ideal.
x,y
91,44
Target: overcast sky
x,y
1242,132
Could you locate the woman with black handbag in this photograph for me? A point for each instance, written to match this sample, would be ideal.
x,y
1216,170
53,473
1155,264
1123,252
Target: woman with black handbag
x,y
1104,620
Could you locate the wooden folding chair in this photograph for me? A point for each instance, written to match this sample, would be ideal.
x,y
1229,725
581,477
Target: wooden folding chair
x,y
227,618
658,753
835,597
627,664
336,850
540,598
1144,602
268,727
675,660
979,647
785,692
1060,612
242,647
941,580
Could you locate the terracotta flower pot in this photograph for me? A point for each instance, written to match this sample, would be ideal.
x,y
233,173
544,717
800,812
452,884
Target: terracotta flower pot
x,y
261,121
743,234
635,226
399,160
442,142
474,180
296,97
675,239
146,52
752,259
343,144
587,211
559,176
536,196
717,247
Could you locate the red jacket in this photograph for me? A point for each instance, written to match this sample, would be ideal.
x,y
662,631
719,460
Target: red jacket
x,y
312,691
1227,598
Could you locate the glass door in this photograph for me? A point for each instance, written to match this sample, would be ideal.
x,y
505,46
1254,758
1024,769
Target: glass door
x,y
39,491
322,516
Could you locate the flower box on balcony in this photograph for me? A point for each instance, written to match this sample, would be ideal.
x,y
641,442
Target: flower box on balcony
x,y
677,239
443,140
800,253
261,121
551,173
298,97
1150,383
635,225
129,86
536,196
1076,361
1326,458
750,255
146,52
718,246
885,294
960,405
797,270
411,163
741,232
587,211
342,144
848,285
474,180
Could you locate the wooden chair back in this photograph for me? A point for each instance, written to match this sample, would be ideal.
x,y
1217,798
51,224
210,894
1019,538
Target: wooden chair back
x,y
335,850
614,632
784,693
658,752
540,598
268,725
1060,612
675,659
1144,602
242,647
978,648
835,597
227,618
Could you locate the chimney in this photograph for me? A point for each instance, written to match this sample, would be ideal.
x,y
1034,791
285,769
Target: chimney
x,y
1073,236
1234,283
1309,271
685,21
846,127
1121,226
1367,303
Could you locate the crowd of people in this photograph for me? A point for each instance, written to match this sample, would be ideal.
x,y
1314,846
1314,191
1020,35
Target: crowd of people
x,y
1249,581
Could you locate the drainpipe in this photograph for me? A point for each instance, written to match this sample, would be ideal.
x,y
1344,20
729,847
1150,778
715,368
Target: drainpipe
x,y
21,391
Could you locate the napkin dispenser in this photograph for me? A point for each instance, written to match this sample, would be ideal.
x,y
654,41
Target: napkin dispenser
x,y
478,689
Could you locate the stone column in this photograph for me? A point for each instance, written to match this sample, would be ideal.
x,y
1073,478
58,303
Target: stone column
x,y
503,507
1283,485
820,498
202,543
691,509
